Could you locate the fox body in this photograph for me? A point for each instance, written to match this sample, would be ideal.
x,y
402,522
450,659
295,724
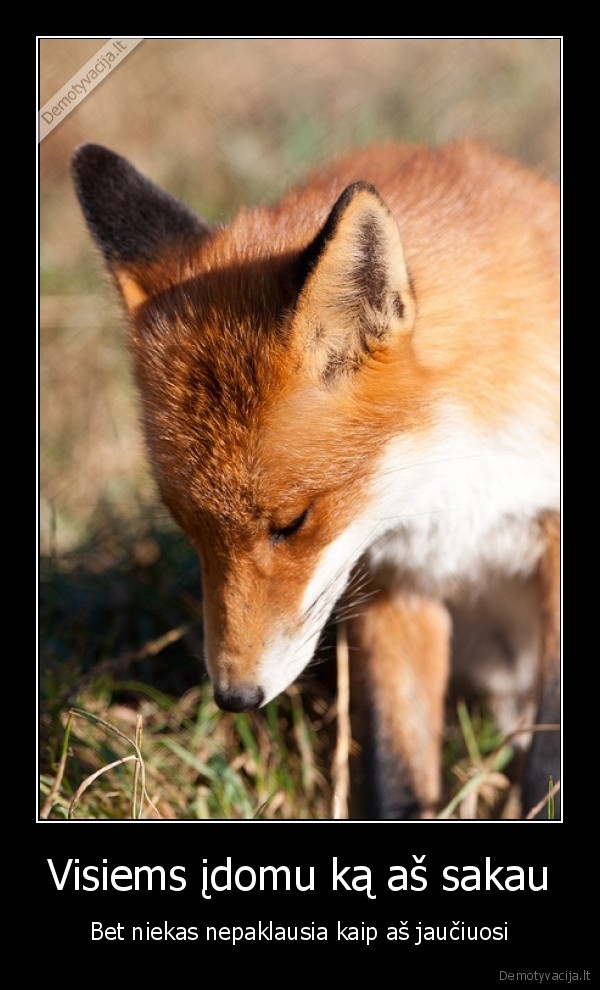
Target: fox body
x,y
355,391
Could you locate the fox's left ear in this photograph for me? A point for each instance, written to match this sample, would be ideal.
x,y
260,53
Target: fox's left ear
x,y
145,234
356,294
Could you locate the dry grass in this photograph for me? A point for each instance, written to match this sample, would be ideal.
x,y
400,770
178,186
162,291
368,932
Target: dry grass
x,y
220,122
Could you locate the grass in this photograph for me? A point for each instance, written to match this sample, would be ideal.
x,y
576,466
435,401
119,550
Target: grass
x,y
108,672
220,123
95,604
182,760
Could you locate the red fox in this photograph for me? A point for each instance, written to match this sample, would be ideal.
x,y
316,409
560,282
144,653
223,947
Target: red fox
x,y
361,379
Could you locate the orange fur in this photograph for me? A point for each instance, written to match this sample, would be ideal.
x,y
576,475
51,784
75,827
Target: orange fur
x,y
403,643
398,292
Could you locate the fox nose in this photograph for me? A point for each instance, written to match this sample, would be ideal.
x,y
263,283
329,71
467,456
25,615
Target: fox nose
x,y
241,698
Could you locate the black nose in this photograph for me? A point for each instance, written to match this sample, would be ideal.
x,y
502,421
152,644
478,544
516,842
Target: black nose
x,y
239,699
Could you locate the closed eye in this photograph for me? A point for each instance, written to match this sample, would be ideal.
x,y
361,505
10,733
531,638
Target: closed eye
x,y
278,535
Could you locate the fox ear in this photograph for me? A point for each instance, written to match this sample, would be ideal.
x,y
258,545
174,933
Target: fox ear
x,y
144,233
356,293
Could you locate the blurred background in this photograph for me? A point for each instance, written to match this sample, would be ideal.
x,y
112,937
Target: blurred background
x,y
220,123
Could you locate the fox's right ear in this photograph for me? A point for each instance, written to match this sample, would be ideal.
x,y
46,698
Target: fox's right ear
x,y
145,234
356,294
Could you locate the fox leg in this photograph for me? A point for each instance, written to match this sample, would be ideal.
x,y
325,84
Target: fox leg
x,y
543,761
400,658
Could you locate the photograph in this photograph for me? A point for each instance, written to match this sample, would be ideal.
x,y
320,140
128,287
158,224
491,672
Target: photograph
x,y
299,358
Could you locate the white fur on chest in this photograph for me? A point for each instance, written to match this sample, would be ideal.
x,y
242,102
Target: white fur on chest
x,y
461,503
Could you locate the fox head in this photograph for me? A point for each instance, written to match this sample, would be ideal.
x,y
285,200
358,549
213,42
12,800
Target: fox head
x,y
269,355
